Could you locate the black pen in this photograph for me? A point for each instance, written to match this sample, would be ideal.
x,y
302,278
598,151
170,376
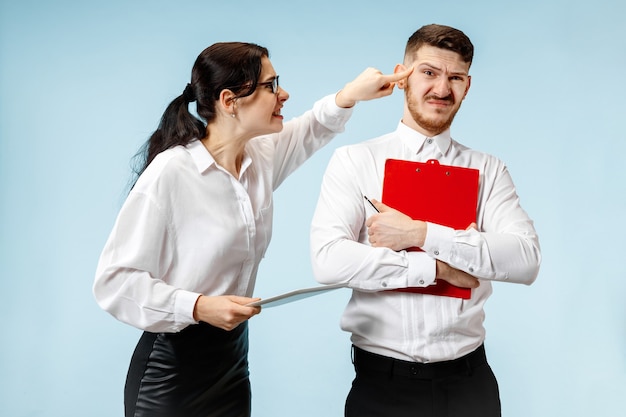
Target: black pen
x,y
371,204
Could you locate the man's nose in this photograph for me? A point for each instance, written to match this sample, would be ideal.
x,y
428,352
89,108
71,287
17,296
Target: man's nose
x,y
442,87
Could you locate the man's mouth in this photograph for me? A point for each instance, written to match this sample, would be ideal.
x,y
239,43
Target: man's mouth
x,y
448,100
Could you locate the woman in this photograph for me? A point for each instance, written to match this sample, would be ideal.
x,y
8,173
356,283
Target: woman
x,y
182,258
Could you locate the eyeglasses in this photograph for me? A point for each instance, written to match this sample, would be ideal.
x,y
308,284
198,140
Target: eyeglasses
x,y
274,84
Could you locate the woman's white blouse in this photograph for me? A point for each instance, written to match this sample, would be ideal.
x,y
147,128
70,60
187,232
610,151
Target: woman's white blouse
x,y
188,227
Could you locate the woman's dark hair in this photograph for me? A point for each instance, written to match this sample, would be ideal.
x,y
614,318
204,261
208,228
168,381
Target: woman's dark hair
x,y
226,65
440,36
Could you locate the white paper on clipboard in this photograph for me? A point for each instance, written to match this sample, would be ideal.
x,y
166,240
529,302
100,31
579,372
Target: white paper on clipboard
x,y
295,295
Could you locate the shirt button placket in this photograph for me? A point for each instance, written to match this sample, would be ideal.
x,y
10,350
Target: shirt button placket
x,y
246,208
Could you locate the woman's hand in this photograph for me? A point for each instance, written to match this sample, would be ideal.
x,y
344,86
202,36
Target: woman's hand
x,y
225,311
370,84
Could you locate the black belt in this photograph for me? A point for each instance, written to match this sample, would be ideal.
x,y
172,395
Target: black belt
x,y
373,364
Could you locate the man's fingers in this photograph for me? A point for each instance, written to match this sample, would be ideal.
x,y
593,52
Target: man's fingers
x,y
472,226
380,206
474,283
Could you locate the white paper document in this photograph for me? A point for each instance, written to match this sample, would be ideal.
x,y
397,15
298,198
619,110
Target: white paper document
x,y
295,295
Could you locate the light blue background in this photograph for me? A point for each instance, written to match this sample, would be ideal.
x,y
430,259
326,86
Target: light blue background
x,y
83,84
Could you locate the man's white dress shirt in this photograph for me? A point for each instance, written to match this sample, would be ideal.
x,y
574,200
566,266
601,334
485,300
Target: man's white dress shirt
x,y
188,227
409,326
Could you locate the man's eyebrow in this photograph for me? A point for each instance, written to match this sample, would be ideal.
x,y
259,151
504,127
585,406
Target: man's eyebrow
x,y
429,65
433,66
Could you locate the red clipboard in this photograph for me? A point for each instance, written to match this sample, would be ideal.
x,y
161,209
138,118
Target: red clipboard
x,y
441,194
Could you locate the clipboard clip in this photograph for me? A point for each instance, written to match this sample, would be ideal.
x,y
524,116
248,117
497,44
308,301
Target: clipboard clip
x,y
431,162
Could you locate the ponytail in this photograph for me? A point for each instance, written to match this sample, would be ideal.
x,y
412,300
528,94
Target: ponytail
x,y
177,127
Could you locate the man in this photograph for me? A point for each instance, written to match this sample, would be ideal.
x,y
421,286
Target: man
x,y
417,354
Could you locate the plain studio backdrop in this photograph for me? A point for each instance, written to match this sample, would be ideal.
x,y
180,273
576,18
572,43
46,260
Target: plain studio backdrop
x,y
84,83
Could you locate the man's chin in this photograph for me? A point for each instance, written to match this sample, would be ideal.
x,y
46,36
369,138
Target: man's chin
x,y
437,121
434,125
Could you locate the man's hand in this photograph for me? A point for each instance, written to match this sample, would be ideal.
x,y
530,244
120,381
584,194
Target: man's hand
x,y
455,276
225,312
370,84
393,229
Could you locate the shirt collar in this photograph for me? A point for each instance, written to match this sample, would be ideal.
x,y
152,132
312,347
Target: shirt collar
x,y
204,160
200,155
415,141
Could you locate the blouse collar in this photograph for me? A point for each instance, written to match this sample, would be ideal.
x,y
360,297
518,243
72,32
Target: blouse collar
x,y
204,160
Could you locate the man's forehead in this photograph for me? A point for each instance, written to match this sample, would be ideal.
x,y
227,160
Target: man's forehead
x,y
434,56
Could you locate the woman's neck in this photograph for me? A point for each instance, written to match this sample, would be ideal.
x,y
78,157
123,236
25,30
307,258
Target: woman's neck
x,y
226,149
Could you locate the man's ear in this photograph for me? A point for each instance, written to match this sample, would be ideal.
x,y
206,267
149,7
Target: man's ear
x,y
399,68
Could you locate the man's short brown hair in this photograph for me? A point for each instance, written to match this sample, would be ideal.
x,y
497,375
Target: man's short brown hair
x,y
440,36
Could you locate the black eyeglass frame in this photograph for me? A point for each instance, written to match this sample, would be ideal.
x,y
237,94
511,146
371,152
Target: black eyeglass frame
x,y
274,83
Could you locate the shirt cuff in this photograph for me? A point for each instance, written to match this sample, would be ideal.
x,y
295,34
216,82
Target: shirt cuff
x,y
183,308
439,241
422,269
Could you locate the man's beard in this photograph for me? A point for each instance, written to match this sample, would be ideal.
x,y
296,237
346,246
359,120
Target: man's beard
x,y
437,126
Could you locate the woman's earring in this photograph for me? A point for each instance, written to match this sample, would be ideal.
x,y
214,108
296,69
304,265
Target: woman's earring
x,y
234,100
